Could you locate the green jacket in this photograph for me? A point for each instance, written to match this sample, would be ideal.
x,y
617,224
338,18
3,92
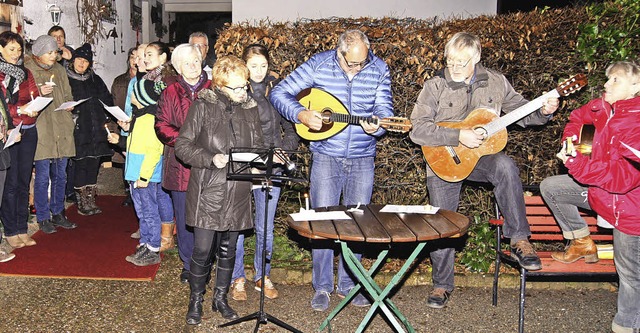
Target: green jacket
x,y
55,128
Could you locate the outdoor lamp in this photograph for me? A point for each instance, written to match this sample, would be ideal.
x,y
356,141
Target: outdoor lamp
x,y
55,12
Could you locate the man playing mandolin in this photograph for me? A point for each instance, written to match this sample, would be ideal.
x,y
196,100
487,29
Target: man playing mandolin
x,y
343,164
451,96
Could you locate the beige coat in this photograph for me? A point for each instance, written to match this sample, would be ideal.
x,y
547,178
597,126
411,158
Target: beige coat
x,y
55,128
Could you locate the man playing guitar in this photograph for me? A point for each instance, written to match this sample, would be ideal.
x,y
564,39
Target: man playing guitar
x,y
463,86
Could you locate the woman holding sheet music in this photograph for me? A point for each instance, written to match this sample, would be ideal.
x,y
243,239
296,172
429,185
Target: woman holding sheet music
x,y
55,135
16,91
90,131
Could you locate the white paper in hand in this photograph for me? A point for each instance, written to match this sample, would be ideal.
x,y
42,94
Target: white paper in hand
x,y
11,139
38,104
116,112
71,104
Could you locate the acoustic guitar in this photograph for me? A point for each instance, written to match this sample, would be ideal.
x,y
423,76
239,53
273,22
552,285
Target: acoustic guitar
x,y
336,117
454,164
582,143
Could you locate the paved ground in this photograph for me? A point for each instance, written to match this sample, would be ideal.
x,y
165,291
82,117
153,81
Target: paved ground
x,y
65,305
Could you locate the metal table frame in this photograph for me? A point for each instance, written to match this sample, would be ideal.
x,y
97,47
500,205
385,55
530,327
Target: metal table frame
x,y
379,295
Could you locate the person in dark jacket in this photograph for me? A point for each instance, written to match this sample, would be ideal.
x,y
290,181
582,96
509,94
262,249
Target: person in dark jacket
x,y
463,86
65,52
217,208
277,132
16,92
173,106
343,165
90,132
119,94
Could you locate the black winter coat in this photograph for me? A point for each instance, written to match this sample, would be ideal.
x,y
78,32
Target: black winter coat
x,y
89,132
213,126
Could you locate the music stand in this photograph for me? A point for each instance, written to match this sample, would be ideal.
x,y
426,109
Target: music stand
x,y
241,160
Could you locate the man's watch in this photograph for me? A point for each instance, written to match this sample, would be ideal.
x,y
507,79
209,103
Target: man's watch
x,y
144,179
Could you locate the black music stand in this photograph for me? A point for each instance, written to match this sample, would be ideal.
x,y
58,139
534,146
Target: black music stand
x,y
241,161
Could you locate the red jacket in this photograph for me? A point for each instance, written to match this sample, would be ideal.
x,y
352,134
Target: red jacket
x,y
173,106
612,172
27,87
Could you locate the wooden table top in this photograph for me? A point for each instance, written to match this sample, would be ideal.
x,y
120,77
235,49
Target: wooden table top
x,y
372,226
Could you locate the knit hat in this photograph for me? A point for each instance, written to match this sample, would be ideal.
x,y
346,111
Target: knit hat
x,y
146,93
83,52
44,44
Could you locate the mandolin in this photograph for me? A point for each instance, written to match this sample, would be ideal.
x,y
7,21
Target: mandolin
x,y
336,117
454,164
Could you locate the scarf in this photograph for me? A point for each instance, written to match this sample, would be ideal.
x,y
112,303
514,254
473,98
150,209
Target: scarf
x,y
155,74
196,87
76,76
14,76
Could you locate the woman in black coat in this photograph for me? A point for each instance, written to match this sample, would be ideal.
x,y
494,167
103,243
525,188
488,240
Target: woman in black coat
x,y
90,133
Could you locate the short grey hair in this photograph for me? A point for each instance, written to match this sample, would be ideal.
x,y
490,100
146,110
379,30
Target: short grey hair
x,y
463,41
181,52
350,37
630,69
198,34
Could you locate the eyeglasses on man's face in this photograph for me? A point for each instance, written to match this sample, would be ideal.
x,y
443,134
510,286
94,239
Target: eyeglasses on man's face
x,y
457,64
238,90
353,64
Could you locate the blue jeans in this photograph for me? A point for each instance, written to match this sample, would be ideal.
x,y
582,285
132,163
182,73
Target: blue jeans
x,y
153,207
14,211
259,197
54,170
626,254
499,170
564,195
331,178
185,233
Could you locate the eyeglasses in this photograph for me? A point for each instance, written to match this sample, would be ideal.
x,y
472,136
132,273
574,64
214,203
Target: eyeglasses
x,y
238,90
459,64
351,64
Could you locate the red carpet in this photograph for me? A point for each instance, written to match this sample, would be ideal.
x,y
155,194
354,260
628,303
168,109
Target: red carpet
x,y
96,249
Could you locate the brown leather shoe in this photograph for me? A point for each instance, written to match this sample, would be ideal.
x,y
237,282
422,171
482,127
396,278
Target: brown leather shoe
x,y
578,248
166,236
28,241
270,290
238,292
15,242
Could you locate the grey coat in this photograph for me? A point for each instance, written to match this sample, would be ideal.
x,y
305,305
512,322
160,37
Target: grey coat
x,y
213,126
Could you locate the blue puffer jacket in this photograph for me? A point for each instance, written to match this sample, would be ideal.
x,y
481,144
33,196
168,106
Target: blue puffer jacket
x,y
367,94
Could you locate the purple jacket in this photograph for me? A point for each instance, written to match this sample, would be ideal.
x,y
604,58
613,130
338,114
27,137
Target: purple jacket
x,y
173,106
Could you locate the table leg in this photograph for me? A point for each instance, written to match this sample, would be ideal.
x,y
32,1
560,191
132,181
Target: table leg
x,y
379,295
379,261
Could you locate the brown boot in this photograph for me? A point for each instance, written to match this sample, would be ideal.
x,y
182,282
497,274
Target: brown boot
x,y
91,199
83,200
578,248
166,236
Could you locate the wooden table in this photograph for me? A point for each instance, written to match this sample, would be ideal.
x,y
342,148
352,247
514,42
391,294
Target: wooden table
x,y
372,226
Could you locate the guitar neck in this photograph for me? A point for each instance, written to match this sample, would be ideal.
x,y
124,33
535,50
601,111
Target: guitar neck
x,y
349,119
519,113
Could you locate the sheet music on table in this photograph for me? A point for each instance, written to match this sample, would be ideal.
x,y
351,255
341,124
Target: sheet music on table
x,y
311,215
411,209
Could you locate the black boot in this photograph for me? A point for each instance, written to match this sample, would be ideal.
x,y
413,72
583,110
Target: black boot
x,y
224,270
197,283
81,194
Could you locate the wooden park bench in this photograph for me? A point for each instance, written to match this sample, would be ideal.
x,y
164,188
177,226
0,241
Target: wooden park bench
x,y
544,228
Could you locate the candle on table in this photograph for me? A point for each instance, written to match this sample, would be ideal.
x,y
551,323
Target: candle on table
x,y
306,201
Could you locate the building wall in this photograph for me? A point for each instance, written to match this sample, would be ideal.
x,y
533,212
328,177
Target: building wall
x,y
109,60
287,10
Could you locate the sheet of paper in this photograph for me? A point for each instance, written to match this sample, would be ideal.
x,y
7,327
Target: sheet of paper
x,y
117,112
11,139
314,216
415,209
38,104
71,104
246,157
